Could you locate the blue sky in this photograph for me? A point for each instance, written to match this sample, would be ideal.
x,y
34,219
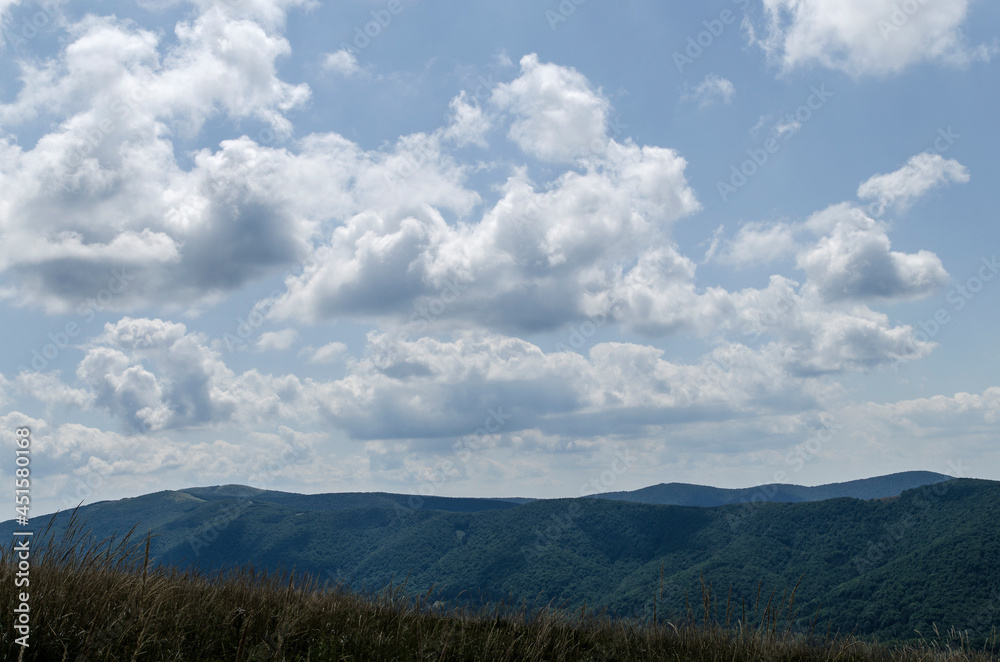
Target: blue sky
x,y
497,249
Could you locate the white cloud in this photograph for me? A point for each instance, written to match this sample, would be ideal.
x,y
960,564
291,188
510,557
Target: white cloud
x,y
758,243
103,189
558,117
658,296
51,390
135,165
852,260
329,353
276,341
866,37
427,388
787,126
471,399
502,59
89,464
941,412
468,123
810,336
228,63
270,14
714,89
343,62
246,209
154,375
920,174
526,262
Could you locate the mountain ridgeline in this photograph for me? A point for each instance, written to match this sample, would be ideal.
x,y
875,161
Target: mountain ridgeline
x,y
888,557
684,494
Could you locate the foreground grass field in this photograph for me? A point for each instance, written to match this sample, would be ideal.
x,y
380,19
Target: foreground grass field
x,y
102,600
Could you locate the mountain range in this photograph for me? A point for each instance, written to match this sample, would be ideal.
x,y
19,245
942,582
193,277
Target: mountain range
x,y
889,556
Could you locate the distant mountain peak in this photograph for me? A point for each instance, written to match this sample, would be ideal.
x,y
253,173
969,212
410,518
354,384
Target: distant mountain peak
x,y
686,494
231,490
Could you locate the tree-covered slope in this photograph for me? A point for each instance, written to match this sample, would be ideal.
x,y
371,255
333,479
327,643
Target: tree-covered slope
x,y
877,567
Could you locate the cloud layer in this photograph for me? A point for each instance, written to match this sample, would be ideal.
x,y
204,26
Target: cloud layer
x,y
508,289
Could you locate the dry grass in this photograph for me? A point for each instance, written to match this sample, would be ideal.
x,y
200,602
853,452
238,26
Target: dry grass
x,y
102,600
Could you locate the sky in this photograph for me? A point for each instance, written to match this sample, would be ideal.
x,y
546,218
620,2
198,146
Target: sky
x,y
510,248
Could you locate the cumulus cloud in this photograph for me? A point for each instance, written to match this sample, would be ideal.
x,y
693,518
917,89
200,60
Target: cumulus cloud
x,y
812,340
852,260
428,388
154,375
527,263
714,89
921,173
865,37
113,204
104,191
845,254
369,226
558,117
